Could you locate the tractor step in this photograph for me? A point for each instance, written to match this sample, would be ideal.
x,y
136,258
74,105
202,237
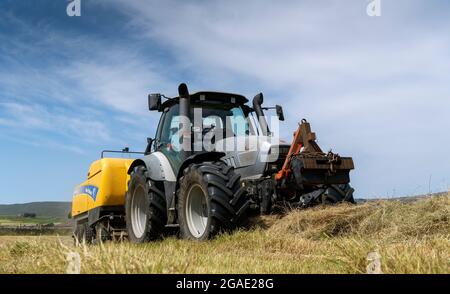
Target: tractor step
x,y
172,226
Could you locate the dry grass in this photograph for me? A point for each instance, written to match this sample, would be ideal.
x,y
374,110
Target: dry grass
x,y
410,237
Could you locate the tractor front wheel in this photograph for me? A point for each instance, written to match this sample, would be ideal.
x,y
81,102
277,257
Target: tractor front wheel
x,y
145,208
210,201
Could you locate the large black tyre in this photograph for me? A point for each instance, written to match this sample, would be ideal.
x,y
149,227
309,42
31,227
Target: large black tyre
x,y
338,193
89,234
83,234
210,200
266,192
77,234
145,208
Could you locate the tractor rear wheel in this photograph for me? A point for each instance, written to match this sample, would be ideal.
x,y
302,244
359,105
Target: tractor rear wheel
x,y
145,208
210,200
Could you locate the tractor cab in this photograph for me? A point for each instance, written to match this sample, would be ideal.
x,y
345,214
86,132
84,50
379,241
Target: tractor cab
x,y
213,117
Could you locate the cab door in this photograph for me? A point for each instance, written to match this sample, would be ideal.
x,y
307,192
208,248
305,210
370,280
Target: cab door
x,y
167,139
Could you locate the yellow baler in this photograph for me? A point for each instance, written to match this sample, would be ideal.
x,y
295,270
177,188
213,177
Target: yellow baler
x,y
102,195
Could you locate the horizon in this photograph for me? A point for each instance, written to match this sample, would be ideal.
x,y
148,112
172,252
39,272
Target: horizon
x,y
386,198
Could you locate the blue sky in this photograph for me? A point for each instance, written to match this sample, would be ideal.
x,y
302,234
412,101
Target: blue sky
x,y
375,88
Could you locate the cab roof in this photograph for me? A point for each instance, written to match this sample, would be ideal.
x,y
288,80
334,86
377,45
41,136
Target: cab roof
x,y
209,97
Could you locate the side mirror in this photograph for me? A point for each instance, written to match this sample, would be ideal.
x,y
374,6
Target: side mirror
x,y
148,149
280,113
154,102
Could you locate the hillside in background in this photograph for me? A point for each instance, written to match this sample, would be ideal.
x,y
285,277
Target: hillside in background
x,y
48,209
60,209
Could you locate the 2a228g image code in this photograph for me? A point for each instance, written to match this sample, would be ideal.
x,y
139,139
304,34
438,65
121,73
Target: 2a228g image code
x,y
246,283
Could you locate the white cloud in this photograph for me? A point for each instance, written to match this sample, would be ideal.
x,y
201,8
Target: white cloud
x,y
374,88
82,85
36,116
122,85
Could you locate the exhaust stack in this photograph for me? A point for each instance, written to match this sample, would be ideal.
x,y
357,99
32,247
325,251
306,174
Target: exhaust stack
x,y
185,122
183,92
257,102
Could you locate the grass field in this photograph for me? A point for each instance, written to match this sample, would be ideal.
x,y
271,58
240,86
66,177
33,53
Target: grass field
x,y
409,237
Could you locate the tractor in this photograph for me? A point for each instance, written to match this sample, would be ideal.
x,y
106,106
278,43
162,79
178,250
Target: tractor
x,y
213,162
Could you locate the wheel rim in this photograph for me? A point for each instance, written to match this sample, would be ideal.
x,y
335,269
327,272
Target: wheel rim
x,y
196,211
138,211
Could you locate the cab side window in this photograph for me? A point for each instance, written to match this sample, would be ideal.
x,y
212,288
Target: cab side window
x,y
168,127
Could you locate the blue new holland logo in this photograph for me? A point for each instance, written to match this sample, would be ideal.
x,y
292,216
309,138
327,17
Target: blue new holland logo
x,y
86,190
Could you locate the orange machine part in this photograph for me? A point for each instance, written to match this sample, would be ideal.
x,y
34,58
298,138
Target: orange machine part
x,y
294,149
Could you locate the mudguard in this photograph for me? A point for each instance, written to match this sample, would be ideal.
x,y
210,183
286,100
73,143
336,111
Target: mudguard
x,y
158,167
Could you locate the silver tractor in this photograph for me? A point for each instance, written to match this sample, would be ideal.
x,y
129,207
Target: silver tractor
x,y
214,161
